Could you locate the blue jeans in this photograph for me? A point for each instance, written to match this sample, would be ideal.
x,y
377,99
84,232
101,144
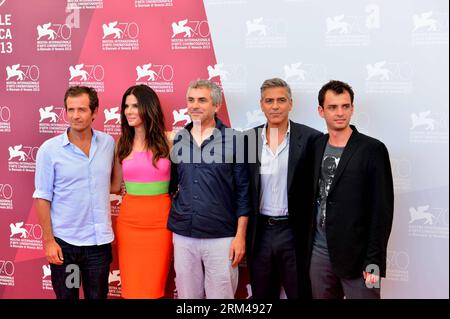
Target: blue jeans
x,y
93,264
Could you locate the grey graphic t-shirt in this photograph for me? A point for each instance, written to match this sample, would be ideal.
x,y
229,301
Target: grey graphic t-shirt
x,y
330,162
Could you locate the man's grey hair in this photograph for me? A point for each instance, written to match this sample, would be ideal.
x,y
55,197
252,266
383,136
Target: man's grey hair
x,y
275,83
216,91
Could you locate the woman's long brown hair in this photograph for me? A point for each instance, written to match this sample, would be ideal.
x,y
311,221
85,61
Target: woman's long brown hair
x,y
153,118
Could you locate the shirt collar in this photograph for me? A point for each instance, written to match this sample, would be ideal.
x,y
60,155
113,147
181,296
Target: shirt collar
x,y
220,127
263,132
219,124
65,140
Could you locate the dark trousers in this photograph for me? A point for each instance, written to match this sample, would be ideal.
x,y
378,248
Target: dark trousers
x,y
273,263
326,285
88,265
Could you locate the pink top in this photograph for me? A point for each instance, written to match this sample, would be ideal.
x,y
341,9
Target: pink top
x,y
140,169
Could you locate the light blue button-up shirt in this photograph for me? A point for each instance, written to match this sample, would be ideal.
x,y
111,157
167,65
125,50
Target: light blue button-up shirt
x,y
77,187
274,171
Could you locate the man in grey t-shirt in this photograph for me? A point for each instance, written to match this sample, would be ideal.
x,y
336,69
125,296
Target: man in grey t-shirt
x,y
330,161
354,204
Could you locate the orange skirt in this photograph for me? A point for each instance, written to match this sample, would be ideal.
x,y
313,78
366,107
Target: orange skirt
x,y
144,245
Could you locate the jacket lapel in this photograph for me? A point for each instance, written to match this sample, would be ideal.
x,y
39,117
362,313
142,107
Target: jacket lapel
x,y
349,150
295,148
256,167
318,156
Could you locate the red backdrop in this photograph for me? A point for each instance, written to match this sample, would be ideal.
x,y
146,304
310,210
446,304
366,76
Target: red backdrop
x,y
47,45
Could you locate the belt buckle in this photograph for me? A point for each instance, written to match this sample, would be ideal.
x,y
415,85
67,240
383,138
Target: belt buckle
x,y
272,221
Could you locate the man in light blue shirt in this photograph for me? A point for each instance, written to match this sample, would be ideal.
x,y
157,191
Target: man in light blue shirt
x,y
72,181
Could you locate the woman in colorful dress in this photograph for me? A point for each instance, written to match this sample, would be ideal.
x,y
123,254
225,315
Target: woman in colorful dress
x,y
142,161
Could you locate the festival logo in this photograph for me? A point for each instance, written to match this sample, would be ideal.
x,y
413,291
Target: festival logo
x,y
120,36
91,75
26,236
346,29
53,37
52,119
266,33
22,158
158,76
22,78
190,35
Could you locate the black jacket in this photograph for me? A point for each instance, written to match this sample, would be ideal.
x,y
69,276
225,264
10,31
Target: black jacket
x,y
360,205
300,192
